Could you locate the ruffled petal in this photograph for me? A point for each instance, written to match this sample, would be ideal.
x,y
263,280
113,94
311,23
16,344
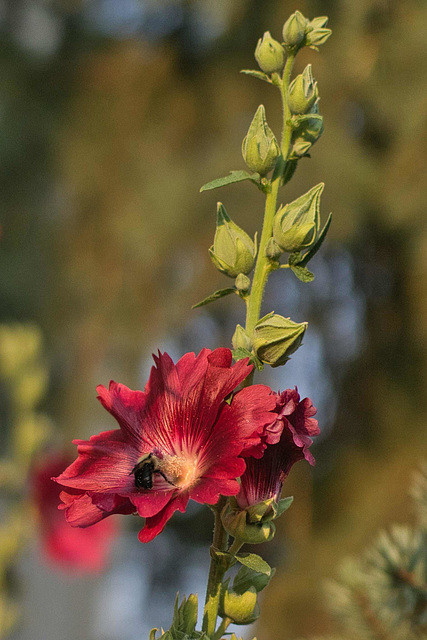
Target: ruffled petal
x,y
156,524
148,503
126,406
104,464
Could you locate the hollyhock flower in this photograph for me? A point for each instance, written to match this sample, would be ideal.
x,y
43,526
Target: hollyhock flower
x,y
180,439
263,478
82,550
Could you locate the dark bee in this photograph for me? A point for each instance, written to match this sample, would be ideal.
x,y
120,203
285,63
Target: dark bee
x,y
144,471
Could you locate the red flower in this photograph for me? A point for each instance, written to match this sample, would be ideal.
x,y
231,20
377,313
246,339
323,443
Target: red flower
x,y
263,478
182,438
84,550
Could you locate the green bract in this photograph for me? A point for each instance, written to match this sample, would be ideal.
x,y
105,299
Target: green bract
x,y
294,30
275,338
303,92
316,32
233,251
240,339
270,54
260,148
296,225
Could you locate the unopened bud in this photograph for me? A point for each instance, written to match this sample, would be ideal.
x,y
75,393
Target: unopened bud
x,y
296,225
276,338
260,148
270,54
242,283
294,30
238,523
233,252
303,92
240,608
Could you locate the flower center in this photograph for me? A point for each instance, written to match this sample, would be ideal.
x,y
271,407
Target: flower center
x,y
180,470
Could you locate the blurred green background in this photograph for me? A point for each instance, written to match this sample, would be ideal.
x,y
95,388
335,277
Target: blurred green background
x,y
113,113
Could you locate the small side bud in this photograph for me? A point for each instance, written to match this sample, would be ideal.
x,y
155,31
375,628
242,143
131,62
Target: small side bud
x,y
303,92
242,283
233,252
294,30
240,339
240,608
272,250
260,148
276,338
238,523
296,225
270,54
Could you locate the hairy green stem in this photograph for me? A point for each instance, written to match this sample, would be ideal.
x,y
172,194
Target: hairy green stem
x,y
222,627
263,265
216,572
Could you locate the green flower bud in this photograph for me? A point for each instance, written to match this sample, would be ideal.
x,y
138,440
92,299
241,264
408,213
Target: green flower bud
x,y
245,525
240,339
272,250
296,225
240,608
294,30
233,252
242,283
260,149
276,338
300,148
303,92
270,54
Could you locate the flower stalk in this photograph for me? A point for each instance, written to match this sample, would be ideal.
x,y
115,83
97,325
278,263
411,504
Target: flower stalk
x,y
264,266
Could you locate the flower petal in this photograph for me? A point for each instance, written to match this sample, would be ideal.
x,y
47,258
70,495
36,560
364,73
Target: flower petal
x,y
104,464
126,406
155,525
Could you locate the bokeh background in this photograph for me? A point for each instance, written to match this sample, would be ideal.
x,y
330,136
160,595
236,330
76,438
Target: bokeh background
x,y
113,113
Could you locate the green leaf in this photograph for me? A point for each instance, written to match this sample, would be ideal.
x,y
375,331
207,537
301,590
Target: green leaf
x,y
283,505
215,296
246,578
315,248
295,258
257,74
254,562
152,635
235,176
302,273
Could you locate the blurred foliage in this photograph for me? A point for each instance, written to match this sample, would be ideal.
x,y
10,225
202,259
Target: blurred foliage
x,y
23,381
111,121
